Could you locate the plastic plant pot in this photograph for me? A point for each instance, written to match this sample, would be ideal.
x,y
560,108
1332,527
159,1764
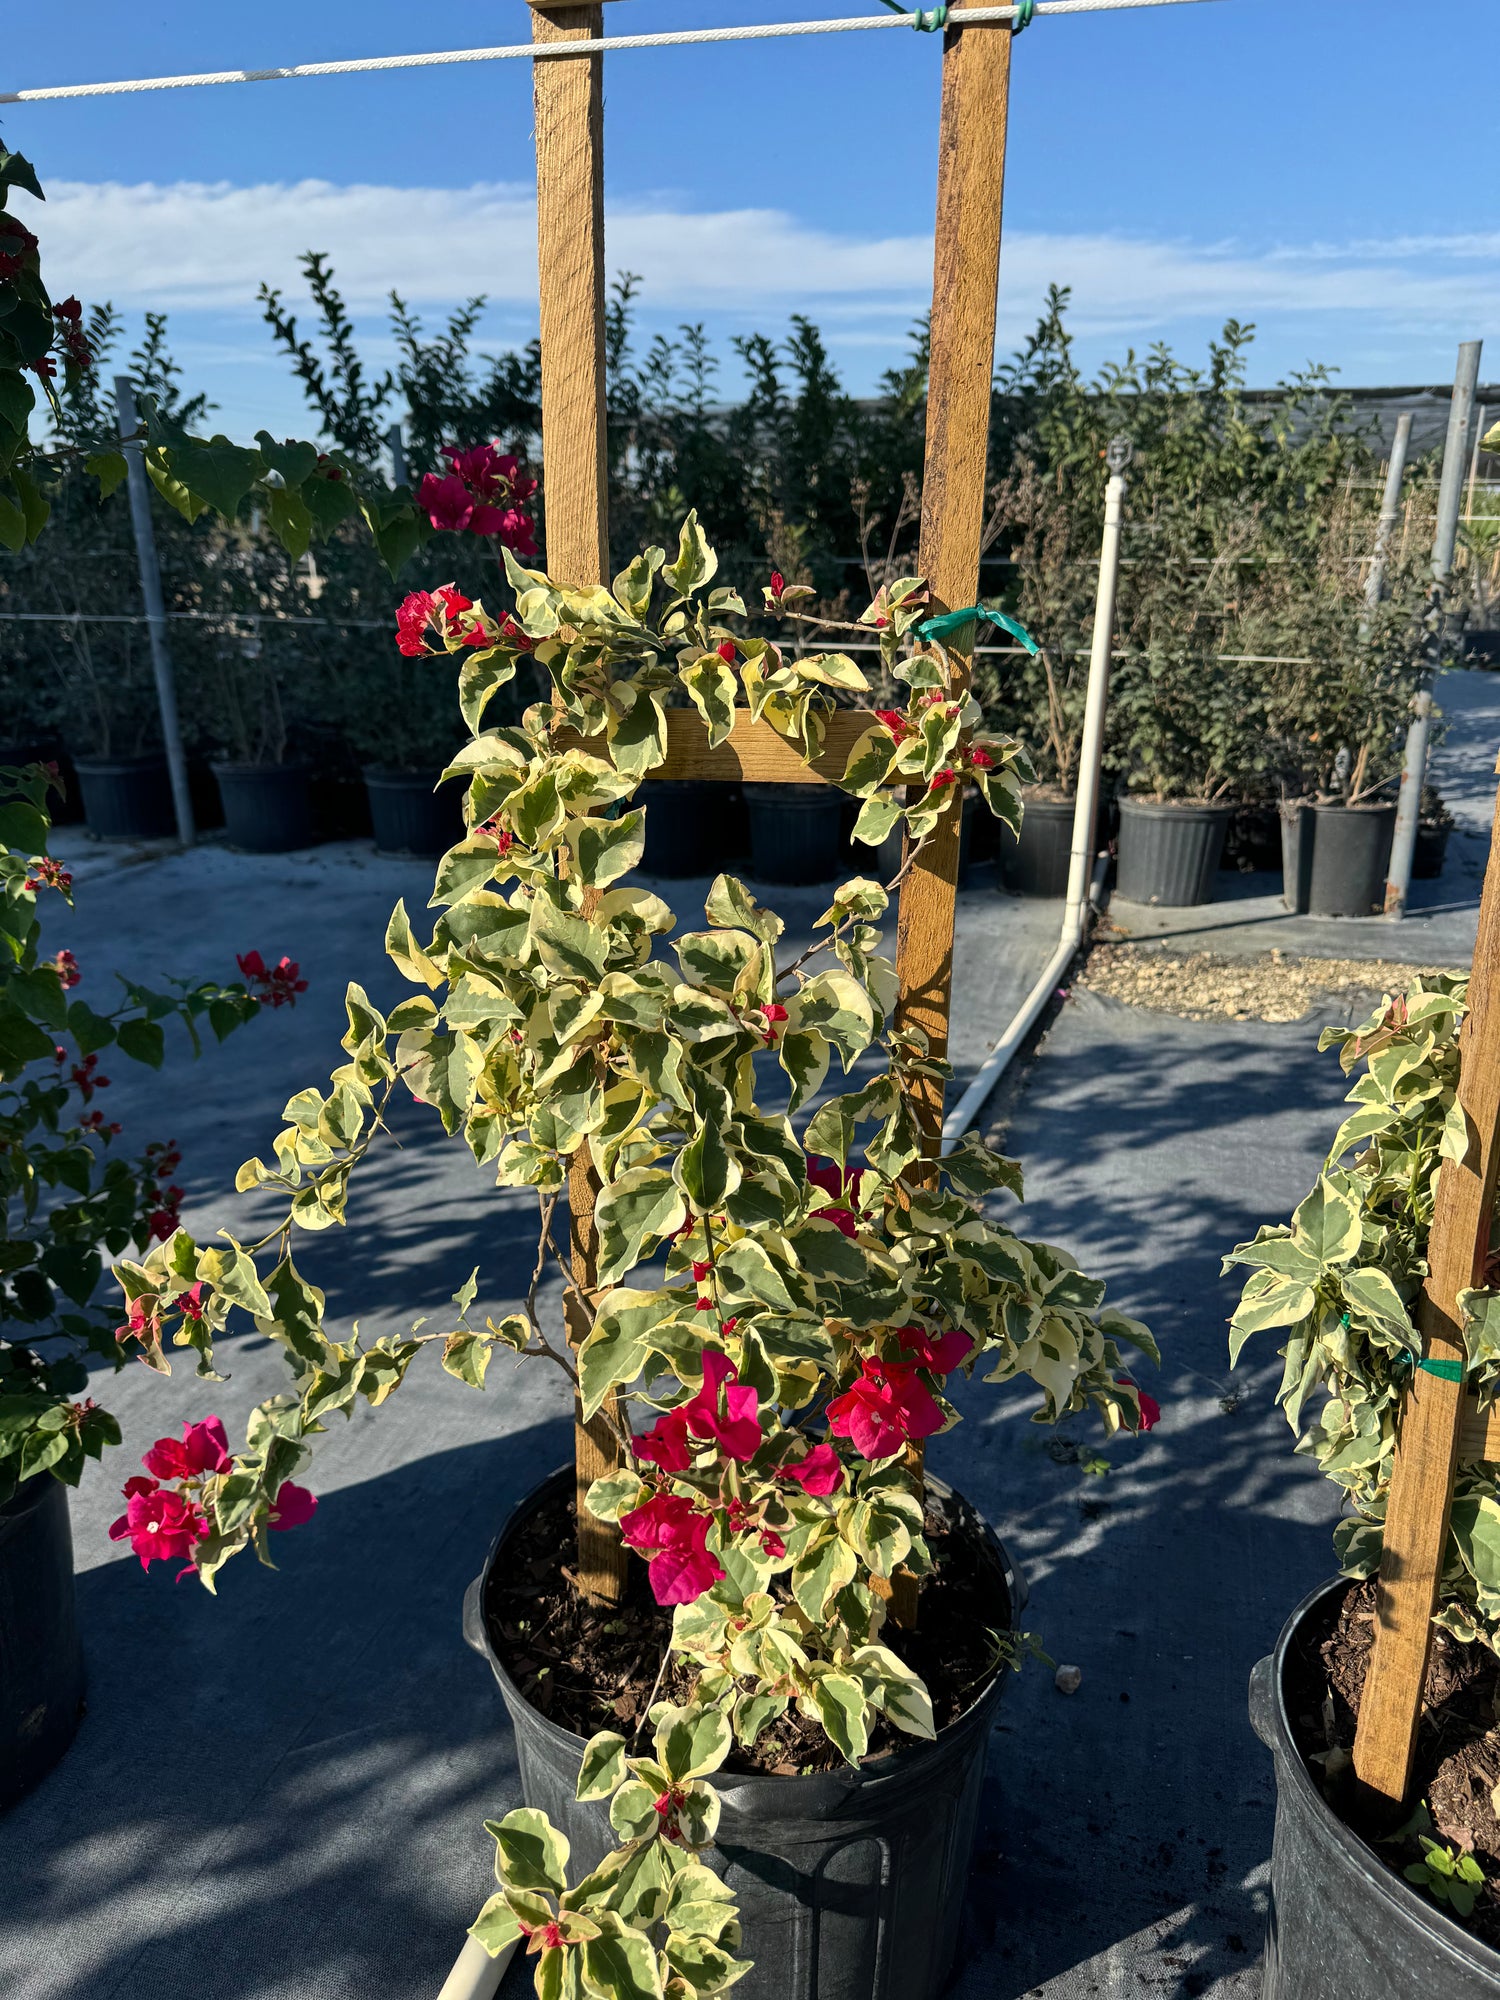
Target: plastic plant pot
x,y
850,1882
1343,1925
1035,861
41,1661
688,824
127,798
409,817
795,832
1351,852
1169,852
267,807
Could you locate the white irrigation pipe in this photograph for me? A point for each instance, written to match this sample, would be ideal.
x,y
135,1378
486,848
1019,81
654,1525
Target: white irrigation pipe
x,y
1083,893
969,17
475,1975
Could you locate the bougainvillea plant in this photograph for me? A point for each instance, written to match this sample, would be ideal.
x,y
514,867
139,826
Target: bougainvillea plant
x,y
1340,1284
70,1195
819,1288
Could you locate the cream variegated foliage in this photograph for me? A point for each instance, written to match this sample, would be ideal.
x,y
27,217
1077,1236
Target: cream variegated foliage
x,y
1339,1287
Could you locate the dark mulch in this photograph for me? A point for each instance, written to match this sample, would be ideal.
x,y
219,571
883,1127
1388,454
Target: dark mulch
x,y
589,1667
1457,1768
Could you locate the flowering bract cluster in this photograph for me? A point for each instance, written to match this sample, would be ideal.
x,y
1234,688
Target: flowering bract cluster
x,y
167,1512
822,1283
1339,1285
69,1196
481,494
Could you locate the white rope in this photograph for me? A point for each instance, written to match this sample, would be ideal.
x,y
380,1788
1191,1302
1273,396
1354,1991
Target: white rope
x,y
969,17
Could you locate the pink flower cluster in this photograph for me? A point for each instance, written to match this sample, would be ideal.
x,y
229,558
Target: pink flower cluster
x,y
842,1208
162,1161
673,1533
888,1405
166,1513
454,619
481,495
67,969
273,985
49,874
730,1420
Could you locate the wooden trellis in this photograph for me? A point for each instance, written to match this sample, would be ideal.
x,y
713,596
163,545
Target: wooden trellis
x,y
570,247
1440,1423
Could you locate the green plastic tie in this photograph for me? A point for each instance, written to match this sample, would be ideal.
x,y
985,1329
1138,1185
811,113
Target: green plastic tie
x,y
944,622
1025,9
928,20
1446,1371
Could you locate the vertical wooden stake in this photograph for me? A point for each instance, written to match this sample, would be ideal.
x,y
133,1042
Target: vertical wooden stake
x,y
966,279
569,99
1421,1495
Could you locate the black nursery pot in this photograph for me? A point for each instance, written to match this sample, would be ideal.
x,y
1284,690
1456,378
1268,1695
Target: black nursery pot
x,y
1342,1925
851,1882
688,822
409,817
1035,861
41,1661
1169,852
1335,858
127,798
1431,849
267,807
795,832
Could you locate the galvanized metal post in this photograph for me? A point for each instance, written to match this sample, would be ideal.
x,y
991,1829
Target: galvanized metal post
x,y
396,445
1390,514
1091,746
156,616
1444,542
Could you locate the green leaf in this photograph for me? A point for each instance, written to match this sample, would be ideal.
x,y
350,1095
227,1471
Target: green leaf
x,y
533,1854
1327,1225
289,519
606,849
705,1170
142,1041
615,1349
696,562
840,1702
623,1966
691,1741
496,1926
403,949
602,1770
109,468
712,687
219,471
89,1030
482,675
1371,1292
642,1205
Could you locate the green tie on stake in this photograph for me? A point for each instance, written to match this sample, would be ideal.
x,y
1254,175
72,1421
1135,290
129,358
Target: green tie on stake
x,y
947,622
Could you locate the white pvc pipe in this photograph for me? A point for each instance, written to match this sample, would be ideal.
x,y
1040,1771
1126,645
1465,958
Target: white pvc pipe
x,y
997,1061
1091,745
1083,895
475,1975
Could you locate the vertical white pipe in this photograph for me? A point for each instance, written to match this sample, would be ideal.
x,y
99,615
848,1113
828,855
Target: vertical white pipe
x,y
1091,745
1390,514
156,616
1450,493
475,1975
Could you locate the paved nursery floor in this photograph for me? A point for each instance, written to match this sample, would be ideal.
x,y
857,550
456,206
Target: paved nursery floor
x,y
278,1795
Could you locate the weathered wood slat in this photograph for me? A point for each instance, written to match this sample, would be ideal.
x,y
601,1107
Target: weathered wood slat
x,y
1432,1417
753,751
966,276
1479,1434
570,257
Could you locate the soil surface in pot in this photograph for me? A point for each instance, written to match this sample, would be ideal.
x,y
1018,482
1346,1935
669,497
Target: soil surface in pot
x,y
589,1667
1457,1765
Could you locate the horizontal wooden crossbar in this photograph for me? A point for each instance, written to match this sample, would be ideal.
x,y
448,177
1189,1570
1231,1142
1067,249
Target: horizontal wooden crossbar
x,y
753,752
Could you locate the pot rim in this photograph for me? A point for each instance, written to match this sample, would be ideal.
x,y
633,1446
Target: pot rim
x,y
142,760
1360,806
1383,1881
234,767
1131,802
887,1766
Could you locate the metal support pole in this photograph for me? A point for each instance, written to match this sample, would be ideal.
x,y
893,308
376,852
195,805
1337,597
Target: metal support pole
x,y
396,445
1390,514
1445,540
1091,747
156,616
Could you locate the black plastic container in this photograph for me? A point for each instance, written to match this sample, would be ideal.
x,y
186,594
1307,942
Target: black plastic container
x,y
267,807
1342,1925
795,832
688,826
851,1882
1430,850
1169,853
127,798
41,1661
1334,858
1035,862
409,817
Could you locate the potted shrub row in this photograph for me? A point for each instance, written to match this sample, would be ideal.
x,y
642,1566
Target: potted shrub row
x,y
757,1358
73,1194
1366,1902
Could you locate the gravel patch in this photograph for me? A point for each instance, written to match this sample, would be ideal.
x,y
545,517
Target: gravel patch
x,y
1204,986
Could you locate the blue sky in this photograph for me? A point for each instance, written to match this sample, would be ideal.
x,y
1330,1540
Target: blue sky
x,y
1305,164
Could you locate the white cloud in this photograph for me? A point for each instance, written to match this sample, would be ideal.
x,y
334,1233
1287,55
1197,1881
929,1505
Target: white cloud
x,y
204,247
